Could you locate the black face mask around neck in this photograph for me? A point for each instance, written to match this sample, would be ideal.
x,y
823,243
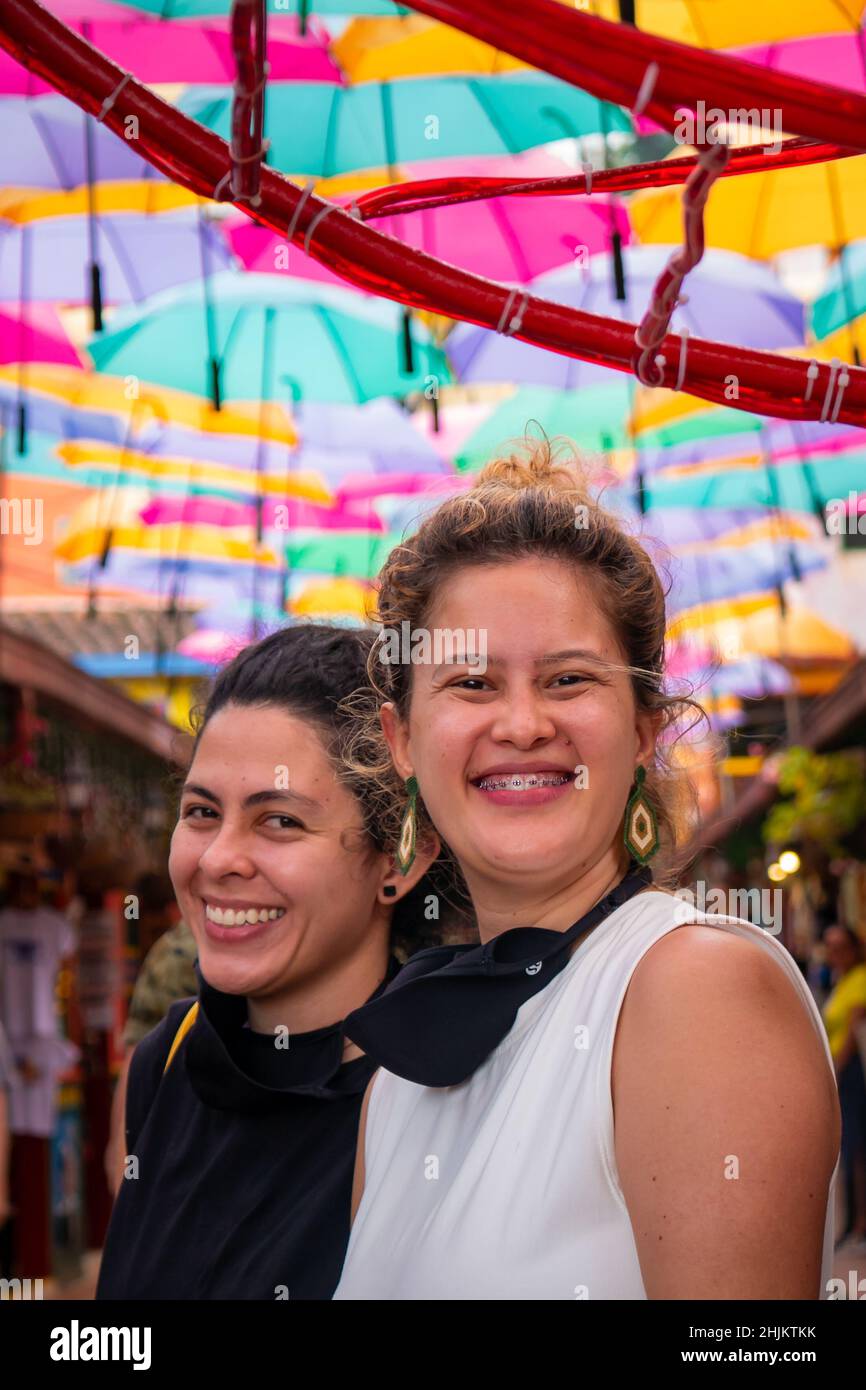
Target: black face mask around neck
x,y
450,1006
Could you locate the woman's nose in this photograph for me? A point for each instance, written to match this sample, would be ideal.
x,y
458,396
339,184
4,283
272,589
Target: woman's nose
x,y
227,853
521,718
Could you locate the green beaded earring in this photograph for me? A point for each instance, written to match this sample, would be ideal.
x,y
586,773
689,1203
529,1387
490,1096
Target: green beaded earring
x,y
641,832
408,830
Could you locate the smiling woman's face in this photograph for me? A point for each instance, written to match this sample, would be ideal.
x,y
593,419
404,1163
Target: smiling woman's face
x,y
495,754
268,857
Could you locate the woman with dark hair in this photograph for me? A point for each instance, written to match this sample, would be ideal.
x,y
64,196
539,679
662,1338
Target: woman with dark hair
x,y
614,1095
844,1011
243,1107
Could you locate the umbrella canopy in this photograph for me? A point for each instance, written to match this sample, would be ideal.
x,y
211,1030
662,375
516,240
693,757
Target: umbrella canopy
x,y
329,344
817,57
138,255
844,295
320,129
185,9
44,146
159,51
377,50
501,238
730,299
34,333
276,514
593,420
762,214
707,24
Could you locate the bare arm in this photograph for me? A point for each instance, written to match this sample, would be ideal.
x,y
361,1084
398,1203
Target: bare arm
x,y
115,1153
359,1178
726,1122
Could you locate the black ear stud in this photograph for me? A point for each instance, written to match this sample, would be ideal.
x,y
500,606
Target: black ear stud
x,y
390,890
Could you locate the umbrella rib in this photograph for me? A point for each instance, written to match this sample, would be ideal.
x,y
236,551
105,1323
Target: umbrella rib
x,y
53,153
340,349
115,241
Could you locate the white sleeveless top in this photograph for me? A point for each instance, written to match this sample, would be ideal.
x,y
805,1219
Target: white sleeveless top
x,y
505,1186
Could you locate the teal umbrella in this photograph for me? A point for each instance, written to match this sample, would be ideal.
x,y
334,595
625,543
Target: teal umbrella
x,y
319,129
594,420
269,339
844,297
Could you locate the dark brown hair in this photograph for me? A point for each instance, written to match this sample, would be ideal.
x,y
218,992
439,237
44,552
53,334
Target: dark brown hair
x,y
307,670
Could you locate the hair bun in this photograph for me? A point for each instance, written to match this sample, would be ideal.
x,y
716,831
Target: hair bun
x,y
533,463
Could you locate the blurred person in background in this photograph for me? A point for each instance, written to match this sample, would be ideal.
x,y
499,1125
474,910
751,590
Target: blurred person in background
x,y
167,974
844,1011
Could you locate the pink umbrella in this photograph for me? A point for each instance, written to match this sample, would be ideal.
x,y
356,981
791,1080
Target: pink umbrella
x,y
292,513
502,238
361,485
34,333
842,55
212,644
510,239
167,51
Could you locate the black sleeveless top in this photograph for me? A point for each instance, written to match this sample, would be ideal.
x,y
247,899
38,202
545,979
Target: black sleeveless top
x,y
245,1155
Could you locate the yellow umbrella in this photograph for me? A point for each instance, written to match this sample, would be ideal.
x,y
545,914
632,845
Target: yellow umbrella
x,y
762,214
114,517
753,625
143,402
341,597
96,453
734,23
377,50
136,195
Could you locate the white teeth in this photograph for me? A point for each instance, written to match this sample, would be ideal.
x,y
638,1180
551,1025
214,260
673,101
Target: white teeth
x,y
517,782
241,917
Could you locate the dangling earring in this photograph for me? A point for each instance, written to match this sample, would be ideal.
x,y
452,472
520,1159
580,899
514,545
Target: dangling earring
x,y
641,832
408,830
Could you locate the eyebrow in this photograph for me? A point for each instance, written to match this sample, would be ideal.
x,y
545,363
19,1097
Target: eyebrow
x,y
255,798
582,653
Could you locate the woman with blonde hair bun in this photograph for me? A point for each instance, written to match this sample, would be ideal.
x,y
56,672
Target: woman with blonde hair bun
x,y
613,1095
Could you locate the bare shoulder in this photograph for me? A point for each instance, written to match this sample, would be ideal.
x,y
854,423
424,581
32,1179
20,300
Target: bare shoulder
x,y
726,1123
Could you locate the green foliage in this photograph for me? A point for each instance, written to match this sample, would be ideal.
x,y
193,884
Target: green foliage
x,y
827,794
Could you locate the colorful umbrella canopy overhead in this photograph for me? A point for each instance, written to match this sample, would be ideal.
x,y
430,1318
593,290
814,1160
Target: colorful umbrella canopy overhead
x,y
729,298
139,255
764,214
816,57
322,343
593,420
44,146
186,9
34,333
378,50
323,130
707,24
844,295
501,238
163,52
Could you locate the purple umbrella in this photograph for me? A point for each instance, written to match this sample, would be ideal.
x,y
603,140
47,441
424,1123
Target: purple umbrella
x,y
139,255
730,298
43,146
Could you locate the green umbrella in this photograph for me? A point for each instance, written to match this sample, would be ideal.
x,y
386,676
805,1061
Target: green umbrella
x,y
279,9
270,338
595,420
319,129
358,553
